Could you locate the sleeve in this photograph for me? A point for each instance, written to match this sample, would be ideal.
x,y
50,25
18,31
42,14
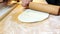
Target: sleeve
x,y
5,0
54,2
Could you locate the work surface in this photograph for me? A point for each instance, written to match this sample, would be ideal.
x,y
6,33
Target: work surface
x,y
11,25
5,10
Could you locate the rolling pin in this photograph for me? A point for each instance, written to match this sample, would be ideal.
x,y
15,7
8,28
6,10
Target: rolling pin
x,y
52,9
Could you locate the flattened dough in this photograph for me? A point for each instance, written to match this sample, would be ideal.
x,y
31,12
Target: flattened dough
x,y
32,16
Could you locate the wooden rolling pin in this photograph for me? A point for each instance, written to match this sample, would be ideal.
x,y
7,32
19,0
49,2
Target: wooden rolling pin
x,y
52,9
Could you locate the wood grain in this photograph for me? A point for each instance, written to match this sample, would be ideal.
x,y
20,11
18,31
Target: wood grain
x,y
52,9
8,10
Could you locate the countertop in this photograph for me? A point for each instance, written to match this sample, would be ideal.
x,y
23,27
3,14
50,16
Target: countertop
x,y
5,10
11,25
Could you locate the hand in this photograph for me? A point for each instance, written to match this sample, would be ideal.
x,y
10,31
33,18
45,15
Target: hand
x,y
1,0
25,2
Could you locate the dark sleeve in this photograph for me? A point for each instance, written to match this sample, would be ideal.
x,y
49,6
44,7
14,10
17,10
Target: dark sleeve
x,y
5,0
54,2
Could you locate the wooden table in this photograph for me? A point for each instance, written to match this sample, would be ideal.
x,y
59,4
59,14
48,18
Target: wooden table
x,y
5,10
11,25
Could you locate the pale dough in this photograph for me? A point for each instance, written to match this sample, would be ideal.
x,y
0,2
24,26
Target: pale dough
x,y
32,16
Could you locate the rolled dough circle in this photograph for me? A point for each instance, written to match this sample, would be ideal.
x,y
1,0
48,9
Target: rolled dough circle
x,y
32,16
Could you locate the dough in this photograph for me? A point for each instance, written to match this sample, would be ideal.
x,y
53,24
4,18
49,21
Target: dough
x,y
32,16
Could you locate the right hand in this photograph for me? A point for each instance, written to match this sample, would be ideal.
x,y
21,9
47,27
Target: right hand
x,y
25,2
1,0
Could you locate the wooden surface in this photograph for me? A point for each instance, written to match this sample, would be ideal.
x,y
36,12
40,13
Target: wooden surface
x,y
11,25
5,10
40,1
